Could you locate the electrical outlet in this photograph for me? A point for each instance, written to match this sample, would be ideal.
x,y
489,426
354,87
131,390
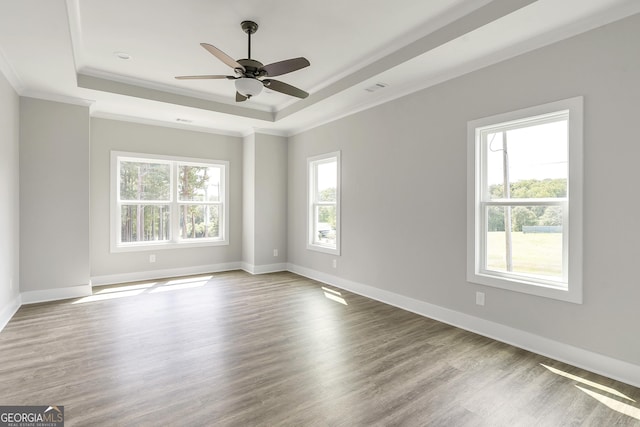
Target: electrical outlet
x,y
152,258
275,252
480,298
335,263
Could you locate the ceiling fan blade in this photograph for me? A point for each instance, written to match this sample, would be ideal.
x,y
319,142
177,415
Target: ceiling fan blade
x,y
285,88
222,56
286,66
204,77
240,97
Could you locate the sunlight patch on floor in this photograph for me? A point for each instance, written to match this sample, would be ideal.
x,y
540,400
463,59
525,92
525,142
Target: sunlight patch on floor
x,y
125,288
188,280
616,405
115,292
335,298
107,296
178,286
587,382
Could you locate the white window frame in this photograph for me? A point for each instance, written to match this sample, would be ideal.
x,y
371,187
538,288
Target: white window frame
x,y
569,288
173,202
312,203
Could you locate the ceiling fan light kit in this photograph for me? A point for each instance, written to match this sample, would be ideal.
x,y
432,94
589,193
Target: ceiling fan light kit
x,y
248,87
249,73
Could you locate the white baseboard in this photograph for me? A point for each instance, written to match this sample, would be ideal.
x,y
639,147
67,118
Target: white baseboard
x,y
45,295
585,359
111,279
9,310
263,269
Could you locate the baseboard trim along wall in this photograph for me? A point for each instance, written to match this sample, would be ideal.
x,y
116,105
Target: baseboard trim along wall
x,y
263,269
9,310
112,279
45,295
594,362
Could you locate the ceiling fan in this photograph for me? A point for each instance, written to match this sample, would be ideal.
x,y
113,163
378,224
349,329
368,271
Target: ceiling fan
x,y
250,75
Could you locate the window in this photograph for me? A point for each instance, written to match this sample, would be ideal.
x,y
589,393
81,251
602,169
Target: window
x,y
525,201
324,203
167,202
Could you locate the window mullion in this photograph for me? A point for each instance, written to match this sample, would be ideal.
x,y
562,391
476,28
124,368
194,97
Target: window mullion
x,y
526,202
175,204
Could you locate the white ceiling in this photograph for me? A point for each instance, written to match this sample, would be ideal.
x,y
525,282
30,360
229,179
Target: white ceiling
x,y
64,50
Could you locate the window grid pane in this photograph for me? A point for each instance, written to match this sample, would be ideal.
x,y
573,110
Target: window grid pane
x,y
325,225
533,159
199,221
145,223
199,183
534,246
145,180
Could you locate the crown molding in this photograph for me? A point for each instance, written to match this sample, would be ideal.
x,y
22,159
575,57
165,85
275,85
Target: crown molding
x,y
167,124
55,97
10,73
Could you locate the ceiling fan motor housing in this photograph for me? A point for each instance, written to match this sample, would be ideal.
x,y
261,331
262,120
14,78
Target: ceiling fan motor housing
x,y
252,68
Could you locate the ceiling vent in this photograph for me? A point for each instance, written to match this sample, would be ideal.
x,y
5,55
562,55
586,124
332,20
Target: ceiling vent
x,y
122,55
376,87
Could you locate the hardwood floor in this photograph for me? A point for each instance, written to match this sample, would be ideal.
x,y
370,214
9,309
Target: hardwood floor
x,y
278,349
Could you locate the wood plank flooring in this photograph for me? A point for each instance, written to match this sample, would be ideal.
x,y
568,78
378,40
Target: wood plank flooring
x,y
231,349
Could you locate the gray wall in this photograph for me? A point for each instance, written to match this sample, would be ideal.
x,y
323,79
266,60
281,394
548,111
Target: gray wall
x,y
54,195
9,186
265,202
270,199
108,135
404,190
248,201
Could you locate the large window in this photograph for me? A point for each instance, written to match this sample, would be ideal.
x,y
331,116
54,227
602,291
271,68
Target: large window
x,y
525,201
159,201
324,203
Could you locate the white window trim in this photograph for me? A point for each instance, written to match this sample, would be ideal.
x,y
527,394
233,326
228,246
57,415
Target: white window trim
x,y
573,290
310,205
175,242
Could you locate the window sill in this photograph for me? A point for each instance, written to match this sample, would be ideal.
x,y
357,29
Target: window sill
x,y
324,249
571,294
166,245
